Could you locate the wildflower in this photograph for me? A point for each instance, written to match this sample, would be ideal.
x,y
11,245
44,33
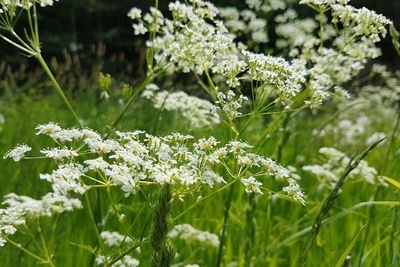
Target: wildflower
x,y
18,152
194,109
19,209
97,164
335,165
363,21
139,29
188,232
135,13
48,128
112,239
252,185
59,153
294,191
66,178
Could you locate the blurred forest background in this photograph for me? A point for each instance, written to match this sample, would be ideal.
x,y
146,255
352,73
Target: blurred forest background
x,y
82,37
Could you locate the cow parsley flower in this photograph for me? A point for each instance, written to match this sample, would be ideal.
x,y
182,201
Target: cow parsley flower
x,y
363,21
59,153
20,209
18,152
293,190
189,233
113,239
336,162
135,13
195,110
252,185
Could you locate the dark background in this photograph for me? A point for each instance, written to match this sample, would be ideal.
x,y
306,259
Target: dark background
x,y
96,29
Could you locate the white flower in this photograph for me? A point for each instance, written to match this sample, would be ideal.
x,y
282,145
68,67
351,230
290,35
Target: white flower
x,y
135,13
188,232
19,209
59,153
194,109
139,29
363,21
252,185
112,239
18,152
294,191
97,164
48,128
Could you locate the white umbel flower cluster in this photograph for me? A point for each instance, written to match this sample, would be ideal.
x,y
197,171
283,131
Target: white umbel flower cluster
x,y
20,209
324,2
113,242
132,160
189,233
11,5
194,40
18,152
136,158
195,110
363,21
336,163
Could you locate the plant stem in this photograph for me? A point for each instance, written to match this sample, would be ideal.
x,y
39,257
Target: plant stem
x,y
226,217
30,253
250,230
57,87
141,87
163,251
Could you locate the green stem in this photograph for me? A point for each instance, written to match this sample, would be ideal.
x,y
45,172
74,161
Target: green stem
x,y
30,253
92,219
57,86
226,218
141,87
163,251
202,199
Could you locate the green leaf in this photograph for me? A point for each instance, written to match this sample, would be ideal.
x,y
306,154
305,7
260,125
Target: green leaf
x,y
392,181
395,38
347,251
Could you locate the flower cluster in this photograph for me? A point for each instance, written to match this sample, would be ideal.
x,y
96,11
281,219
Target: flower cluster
x,y
113,241
196,110
363,21
137,158
337,162
18,152
324,2
195,40
11,5
286,77
245,23
20,209
189,233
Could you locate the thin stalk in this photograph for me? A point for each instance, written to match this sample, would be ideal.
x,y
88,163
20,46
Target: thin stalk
x,y
28,252
202,199
57,87
44,245
226,218
29,52
328,202
90,213
250,230
141,87
120,219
